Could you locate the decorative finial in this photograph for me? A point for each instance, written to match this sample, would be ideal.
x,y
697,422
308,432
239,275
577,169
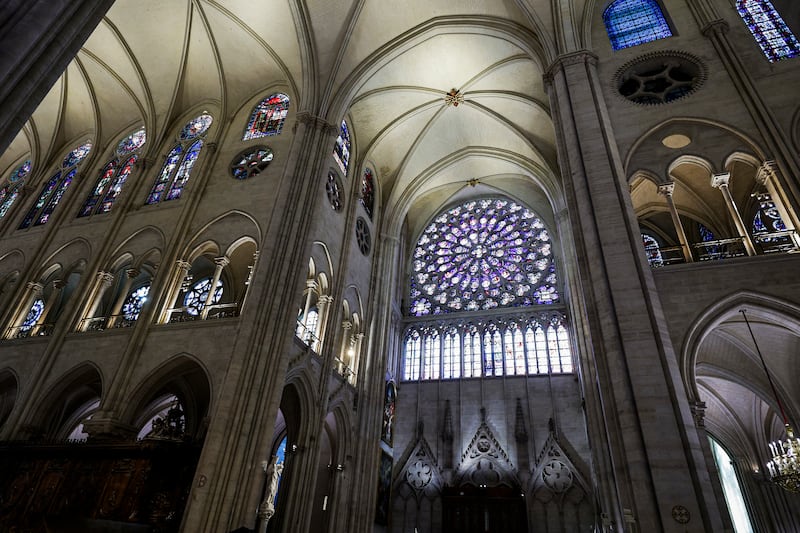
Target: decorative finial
x,y
454,97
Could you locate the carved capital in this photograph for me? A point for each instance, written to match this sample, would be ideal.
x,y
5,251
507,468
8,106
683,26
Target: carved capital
x,y
666,189
59,284
347,325
565,60
715,28
767,172
222,261
183,265
315,122
699,413
35,287
105,278
720,180
132,272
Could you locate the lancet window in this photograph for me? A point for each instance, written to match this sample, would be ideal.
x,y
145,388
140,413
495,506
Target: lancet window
x,y
56,186
267,117
10,191
768,28
368,192
634,22
341,150
178,165
652,250
113,175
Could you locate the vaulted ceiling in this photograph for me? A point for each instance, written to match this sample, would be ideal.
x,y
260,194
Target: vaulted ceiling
x,y
384,68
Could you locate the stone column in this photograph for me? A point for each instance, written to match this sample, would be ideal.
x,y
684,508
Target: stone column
x,y
50,302
103,281
646,454
220,263
323,307
666,190
767,176
173,289
721,181
130,275
347,345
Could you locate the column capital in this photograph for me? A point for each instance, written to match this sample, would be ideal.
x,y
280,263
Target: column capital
x,y
325,299
699,413
715,28
132,272
59,284
183,265
106,278
572,58
666,189
222,261
720,180
35,287
766,172
347,325
312,121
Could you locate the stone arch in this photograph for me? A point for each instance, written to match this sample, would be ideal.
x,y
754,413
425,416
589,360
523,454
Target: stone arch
x,y
9,389
66,401
182,376
138,245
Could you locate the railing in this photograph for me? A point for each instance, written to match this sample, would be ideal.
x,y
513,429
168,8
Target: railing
x,y
182,314
720,249
24,332
308,337
776,242
102,323
343,370
671,256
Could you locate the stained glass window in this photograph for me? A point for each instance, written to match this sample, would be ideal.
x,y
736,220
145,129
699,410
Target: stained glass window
x,y
267,117
499,347
10,191
368,192
113,176
195,299
652,250
131,143
634,22
767,219
33,315
731,488
55,188
482,255
134,302
341,151
307,329
251,162
182,157
770,31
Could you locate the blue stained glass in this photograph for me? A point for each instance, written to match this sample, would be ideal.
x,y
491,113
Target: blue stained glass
x,y
267,117
341,151
20,172
280,462
33,315
705,234
182,176
769,30
634,22
652,250
41,201
164,176
132,142
483,254
196,127
134,302
8,195
56,197
77,155
195,299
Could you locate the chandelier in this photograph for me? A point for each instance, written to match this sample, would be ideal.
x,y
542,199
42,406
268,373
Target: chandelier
x,y
784,468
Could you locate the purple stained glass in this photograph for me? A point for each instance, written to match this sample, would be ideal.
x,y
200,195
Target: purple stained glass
x,y
132,142
182,176
41,201
56,198
769,30
77,155
634,22
20,172
8,195
267,117
165,175
368,192
341,151
196,127
481,255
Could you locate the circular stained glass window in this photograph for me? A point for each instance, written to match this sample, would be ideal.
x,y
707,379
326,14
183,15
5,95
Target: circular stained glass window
x,y
77,155
20,172
251,162
362,236
134,302
33,315
196,127
482,255
195,299
132,142
334,190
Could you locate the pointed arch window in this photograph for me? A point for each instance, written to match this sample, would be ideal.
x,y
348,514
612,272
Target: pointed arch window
x,y
10,191
634,22
178,165
652,250
731,488
768,28
56,187
267,117
113,175
341,151
368,192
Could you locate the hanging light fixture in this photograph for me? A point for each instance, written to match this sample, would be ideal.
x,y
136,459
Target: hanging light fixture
x,y
784,468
